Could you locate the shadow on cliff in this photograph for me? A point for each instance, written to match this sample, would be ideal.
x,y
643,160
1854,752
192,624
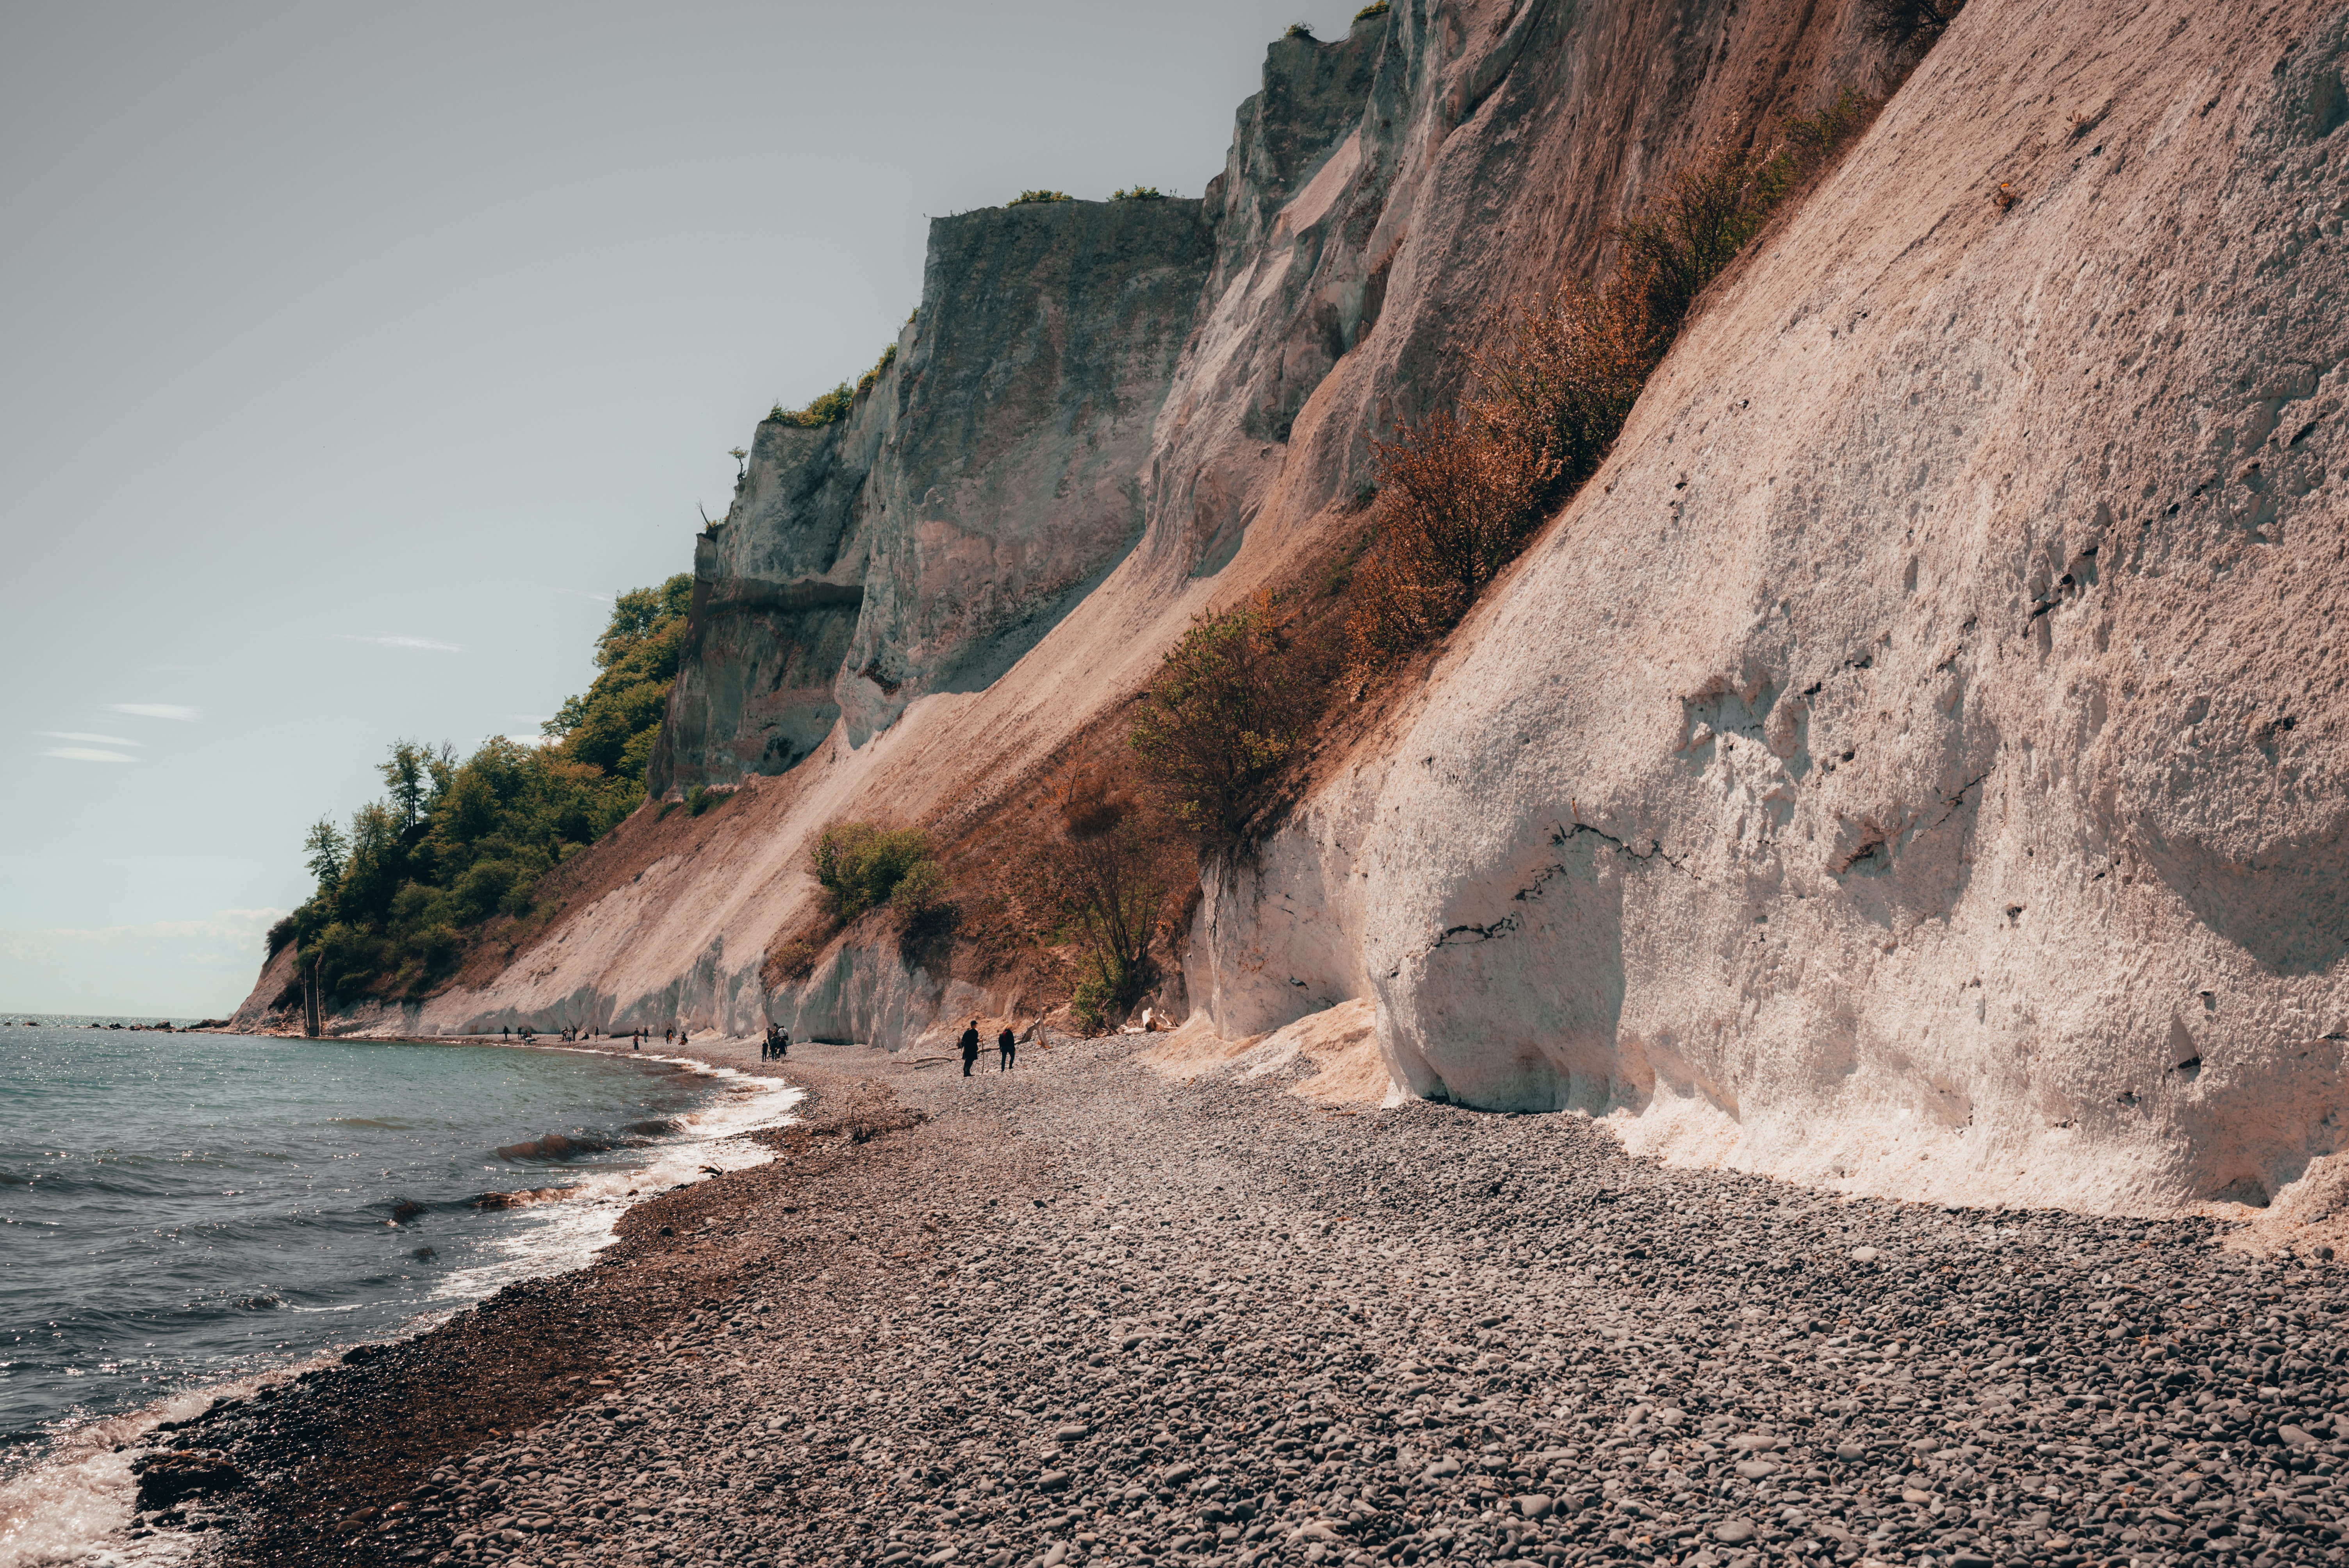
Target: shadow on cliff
x,y
2290,912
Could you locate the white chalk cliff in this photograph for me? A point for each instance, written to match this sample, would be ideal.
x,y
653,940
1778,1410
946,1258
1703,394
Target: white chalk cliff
x,y
1915,763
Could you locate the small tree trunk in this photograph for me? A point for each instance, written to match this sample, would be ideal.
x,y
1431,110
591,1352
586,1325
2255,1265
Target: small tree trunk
x,y
310,1002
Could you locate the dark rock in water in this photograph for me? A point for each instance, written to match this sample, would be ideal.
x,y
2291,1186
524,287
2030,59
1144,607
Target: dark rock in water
x,y
554,1146
165,1479
406,1210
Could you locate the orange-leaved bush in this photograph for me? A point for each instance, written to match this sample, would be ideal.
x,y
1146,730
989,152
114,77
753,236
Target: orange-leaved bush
x,y
1455,501
1458,497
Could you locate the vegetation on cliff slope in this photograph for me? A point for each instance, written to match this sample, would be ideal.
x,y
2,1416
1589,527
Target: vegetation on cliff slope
x,y
1458,495
1221,728
1097,889
454,843
1226,710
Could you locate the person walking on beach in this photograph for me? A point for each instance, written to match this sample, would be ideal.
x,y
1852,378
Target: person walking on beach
x,y
637,1040
783,1041
969,1048
1007,1045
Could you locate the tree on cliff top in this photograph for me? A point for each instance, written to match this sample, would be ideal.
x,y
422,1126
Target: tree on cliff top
x,y
612,726
454,843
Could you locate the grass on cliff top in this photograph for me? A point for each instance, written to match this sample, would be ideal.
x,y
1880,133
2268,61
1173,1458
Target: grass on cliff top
x,y
836,404
1029,197
1138,193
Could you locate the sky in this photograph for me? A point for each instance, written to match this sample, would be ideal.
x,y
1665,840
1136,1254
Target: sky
x,y
352,357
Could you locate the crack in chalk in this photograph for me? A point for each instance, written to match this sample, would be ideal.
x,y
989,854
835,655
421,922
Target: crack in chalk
x,y
1560,836
1951,805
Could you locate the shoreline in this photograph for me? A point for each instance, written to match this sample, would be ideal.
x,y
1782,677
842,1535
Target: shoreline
x,y
65,1484
1089,1314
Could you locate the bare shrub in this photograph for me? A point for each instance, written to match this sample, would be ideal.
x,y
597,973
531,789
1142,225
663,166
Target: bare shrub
x,y
792,960
1704,214
1104,885
1456,502
1559,379
1458,497
1909,26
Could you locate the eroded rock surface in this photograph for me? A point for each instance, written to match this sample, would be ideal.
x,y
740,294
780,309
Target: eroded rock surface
x,y
1917,758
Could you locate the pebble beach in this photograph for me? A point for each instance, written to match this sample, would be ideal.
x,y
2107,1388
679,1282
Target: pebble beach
x,y
1085,1312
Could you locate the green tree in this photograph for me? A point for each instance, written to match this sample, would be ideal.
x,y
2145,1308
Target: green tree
x,y
322,850
1226,709
457,842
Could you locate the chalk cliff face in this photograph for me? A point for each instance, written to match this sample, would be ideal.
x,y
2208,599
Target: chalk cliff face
x,y
1917,758
1915,763
987,481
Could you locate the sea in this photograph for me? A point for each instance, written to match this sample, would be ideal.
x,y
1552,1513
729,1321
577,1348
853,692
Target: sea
x,y
183,1213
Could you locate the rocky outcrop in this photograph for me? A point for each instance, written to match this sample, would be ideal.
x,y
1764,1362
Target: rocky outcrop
x,y
776,590
987,482
276,993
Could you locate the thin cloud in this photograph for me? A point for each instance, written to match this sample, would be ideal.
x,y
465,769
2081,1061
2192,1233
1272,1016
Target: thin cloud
x,y
239,926
583,593
171,710
84,734
398,641
86,754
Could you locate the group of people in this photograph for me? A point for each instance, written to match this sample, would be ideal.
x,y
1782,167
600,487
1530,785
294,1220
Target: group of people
x,y
778,1043
636,1039
1007,1046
